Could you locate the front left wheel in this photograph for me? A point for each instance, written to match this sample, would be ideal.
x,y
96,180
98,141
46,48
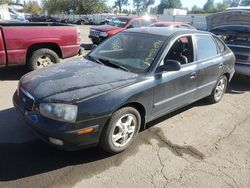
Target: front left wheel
x,y
121,130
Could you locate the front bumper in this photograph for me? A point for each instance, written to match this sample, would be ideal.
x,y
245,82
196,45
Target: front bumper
x,y
242,69
97,40
66,132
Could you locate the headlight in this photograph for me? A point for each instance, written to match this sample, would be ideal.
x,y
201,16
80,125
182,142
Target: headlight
x,y
60,112
103,34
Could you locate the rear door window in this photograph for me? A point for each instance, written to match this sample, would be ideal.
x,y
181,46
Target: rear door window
x,y
206,47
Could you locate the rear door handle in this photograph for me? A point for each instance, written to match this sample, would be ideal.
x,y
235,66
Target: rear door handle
x,y
193,75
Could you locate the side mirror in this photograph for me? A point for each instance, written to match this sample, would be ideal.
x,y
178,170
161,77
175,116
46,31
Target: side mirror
x,y
93,47
170,65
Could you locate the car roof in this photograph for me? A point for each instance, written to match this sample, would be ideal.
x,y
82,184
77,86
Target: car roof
x,y
170,23
165,31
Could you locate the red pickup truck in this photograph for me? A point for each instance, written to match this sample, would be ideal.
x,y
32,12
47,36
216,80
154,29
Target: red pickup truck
x,y
37,44
100,33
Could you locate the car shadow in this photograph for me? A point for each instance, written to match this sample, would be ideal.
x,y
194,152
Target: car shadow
x,y
12,73
239,85
24,155
87,46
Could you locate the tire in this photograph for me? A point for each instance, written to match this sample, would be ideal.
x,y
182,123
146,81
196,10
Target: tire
x,y
109,139
219,90
42,58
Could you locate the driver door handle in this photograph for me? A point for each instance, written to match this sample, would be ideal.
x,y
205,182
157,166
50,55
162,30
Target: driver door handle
x,y
193,75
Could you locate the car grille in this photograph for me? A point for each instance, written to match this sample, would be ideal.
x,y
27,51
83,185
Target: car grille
x,y
242,53
94,33
26,99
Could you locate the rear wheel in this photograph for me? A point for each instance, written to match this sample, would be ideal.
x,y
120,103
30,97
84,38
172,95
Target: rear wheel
x,y
121,130
42,58
219,90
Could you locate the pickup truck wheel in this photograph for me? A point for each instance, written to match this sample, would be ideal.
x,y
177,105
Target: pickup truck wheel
x,y
42,58
121,130
219,90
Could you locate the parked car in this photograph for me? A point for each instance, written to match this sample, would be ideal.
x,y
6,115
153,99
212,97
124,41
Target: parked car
x,y
130,79
233,26
37,45
172,25
100,33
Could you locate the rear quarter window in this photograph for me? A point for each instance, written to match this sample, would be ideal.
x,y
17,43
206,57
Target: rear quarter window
x,y
221,46
206,47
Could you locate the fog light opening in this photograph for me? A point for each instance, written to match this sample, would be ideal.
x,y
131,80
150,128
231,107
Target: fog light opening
x,y
56,141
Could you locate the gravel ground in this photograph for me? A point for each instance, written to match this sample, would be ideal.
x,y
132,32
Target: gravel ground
x,y
201,145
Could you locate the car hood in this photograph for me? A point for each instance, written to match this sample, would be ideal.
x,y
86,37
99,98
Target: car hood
x,y
106,28
229,17
74,81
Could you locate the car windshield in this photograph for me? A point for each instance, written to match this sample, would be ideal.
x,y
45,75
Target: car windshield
x,y
119,22
133,52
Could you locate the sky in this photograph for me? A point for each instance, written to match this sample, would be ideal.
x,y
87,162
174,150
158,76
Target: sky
x,y
185,3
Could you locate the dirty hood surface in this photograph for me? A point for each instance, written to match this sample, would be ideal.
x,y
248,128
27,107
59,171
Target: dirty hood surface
x,y
73,81
229,17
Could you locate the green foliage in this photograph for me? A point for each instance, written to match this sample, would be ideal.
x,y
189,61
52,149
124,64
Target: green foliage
x,y
5,1
153,10
209,6
32,7
77,6
120,3
221,6
245,3
197,10
142,5
168,4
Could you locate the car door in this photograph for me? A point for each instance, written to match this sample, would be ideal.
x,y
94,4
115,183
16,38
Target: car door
x,y
177,88
210,64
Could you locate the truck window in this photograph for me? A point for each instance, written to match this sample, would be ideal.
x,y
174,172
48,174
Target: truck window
x,y
145,22
206,47
135,23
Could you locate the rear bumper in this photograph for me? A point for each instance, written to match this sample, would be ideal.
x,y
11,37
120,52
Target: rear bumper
x,y
242,69
46,129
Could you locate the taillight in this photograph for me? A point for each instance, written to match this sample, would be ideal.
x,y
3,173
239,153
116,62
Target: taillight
x,y
78,36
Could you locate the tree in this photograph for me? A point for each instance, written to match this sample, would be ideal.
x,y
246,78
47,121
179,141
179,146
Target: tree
x,y
77,6
209,6
245,2
5,1
120,4
32,7
233,3
221,6
142,5
168,4
153,10
197,10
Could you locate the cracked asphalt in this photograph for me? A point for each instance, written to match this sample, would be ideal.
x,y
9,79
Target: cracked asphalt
x,y
201,145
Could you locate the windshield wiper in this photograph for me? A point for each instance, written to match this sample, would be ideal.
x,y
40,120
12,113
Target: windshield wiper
x,y
105,61
94,59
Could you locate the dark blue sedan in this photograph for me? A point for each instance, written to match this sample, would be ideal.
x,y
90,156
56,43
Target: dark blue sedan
x,y
134,77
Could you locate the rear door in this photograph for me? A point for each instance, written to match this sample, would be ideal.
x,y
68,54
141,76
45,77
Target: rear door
x,y
177,88
210,64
